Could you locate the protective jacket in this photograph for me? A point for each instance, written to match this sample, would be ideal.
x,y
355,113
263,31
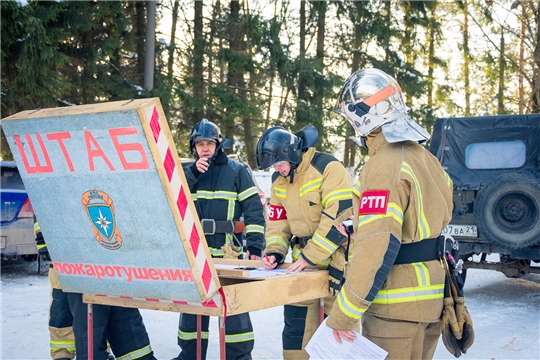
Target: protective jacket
x,y
321,190
225,192
402,196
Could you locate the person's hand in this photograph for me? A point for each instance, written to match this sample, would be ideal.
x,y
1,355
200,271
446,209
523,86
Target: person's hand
x,y
341,229
202,165
345,335
269,262
297,266
251,257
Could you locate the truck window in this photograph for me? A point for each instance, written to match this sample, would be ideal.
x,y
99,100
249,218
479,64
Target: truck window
x,y
495,155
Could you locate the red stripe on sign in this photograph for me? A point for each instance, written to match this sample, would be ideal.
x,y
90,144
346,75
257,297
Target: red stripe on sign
x,y
206,276
169,164
100,295
154,124
181,202
125,297
209,303
180,302
194,240
152,300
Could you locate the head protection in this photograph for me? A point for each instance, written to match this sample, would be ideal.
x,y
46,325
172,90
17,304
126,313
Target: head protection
x,y
204,130
369,99
277,144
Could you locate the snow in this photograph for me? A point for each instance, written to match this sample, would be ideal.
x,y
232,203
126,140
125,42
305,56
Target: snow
x,y
505,312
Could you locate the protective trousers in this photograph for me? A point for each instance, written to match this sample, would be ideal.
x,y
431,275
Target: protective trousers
x,y
301,321
60,321
402,339
122,327
239,337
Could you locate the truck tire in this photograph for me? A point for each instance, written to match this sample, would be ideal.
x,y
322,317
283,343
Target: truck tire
x,y
507,211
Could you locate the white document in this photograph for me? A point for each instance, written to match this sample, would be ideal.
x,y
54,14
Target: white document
x,y
323,346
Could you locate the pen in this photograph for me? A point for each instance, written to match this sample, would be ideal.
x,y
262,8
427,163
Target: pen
x,y
266,257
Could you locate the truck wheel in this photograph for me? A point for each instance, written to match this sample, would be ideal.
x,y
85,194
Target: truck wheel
x,y
507,211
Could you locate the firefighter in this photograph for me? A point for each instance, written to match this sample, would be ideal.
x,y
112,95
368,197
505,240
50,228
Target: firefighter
x,y
223,191
309,191
402,200
60,319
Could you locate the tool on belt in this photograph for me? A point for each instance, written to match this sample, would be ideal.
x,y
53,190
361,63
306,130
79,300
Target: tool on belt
x,y
211,227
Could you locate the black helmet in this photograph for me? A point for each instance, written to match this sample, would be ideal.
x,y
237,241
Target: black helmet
x,y
204,130
277,144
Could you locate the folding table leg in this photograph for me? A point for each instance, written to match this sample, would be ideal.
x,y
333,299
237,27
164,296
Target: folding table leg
x,y
321,310
90,333
199,337
222,339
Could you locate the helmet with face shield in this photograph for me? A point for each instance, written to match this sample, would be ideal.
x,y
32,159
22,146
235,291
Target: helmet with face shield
x,y
277,144
369,99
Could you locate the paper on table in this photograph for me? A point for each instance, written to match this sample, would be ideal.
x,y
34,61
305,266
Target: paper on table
x,y
323,346
259,272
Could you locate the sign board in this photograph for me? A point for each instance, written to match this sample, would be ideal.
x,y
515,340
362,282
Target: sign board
x,y
109,192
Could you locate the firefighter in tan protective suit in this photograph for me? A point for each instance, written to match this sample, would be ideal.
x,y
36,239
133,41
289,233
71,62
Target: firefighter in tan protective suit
x,y
402,200
309,190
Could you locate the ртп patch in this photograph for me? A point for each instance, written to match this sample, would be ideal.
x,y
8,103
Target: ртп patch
x,y
373,202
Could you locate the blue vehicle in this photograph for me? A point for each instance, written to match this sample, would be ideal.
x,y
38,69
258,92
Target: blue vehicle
x,y
17,216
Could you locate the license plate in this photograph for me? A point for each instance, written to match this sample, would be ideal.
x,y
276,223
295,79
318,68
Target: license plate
x,y
461,230
3,239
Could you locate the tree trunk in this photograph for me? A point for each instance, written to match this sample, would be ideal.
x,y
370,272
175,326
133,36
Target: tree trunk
x,y
535,108
431,57
500,93
172,45
349,153
521,70
149,62
140,33
318,91
198,57
466,58
302,85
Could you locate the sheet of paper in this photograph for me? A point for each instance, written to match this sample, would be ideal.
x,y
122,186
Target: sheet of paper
x,y
323,346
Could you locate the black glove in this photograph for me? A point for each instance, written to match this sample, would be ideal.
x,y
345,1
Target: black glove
x,y
279,257
42,247
254,251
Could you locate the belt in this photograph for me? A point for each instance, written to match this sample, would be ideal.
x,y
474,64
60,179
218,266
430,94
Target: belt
x,y
211,226
425,250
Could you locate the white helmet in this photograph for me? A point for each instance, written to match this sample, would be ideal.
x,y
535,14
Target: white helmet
x,y
371,98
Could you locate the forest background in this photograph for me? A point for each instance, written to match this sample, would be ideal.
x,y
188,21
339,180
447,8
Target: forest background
x,y
248,65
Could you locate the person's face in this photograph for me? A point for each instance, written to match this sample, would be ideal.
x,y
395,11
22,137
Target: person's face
x,y
205,148
283,167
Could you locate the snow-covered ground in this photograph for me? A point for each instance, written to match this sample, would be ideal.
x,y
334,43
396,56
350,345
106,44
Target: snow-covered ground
x,y
505,312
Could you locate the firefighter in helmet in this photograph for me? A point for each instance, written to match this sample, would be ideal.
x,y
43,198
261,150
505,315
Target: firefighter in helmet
x,y
223,191
309,191
402,201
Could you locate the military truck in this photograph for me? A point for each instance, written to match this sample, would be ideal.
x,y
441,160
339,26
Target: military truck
x,y
494,163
